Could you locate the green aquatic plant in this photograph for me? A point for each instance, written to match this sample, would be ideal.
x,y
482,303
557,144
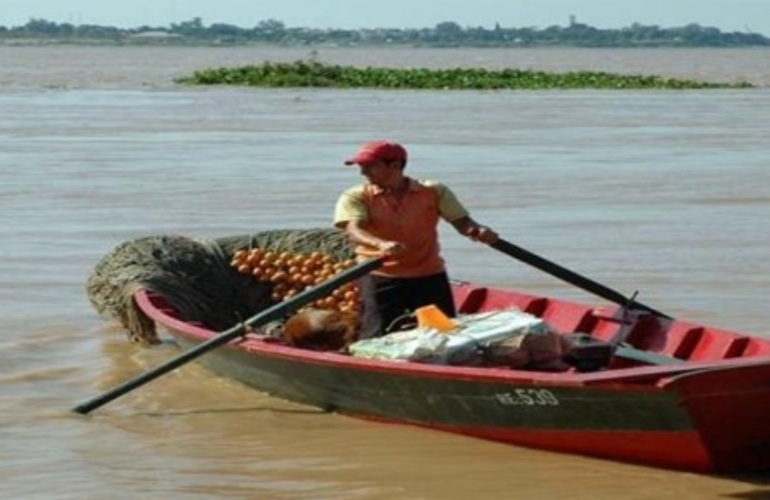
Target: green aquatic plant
x,y
316,74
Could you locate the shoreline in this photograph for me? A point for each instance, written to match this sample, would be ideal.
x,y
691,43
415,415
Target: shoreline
x,y
171,43
120,65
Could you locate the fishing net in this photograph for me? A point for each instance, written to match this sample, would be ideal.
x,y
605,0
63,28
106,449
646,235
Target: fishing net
x,y
195,276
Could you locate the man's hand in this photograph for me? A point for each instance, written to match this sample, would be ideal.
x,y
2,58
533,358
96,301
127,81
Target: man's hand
x,y
477,232
391,248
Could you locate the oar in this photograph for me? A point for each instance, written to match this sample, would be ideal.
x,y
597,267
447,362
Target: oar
x,y
270,314
571,277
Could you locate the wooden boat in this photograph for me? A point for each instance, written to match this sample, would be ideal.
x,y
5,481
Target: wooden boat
x,y
672,394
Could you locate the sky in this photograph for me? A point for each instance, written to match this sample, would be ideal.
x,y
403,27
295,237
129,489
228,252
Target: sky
x,y
727,15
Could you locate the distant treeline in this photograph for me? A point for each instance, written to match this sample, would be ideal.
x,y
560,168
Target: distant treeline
x,y
446,34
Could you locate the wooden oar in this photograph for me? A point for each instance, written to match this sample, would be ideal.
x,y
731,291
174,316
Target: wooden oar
x,y
571,277
270,314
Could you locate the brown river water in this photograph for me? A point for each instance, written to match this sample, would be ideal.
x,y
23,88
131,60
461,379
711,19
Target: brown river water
x,y
664,192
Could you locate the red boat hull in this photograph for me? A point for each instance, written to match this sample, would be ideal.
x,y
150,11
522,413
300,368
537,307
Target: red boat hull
x,y
703,414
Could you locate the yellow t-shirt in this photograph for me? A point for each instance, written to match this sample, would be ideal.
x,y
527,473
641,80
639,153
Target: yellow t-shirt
x,y
411,219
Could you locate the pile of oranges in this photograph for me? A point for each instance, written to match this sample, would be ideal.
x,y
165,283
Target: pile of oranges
x,y
290,273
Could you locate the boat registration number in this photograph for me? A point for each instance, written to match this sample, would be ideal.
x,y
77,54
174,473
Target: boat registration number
x,y
527,397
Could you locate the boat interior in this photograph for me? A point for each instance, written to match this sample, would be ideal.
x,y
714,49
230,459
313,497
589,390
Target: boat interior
x,y
600,337
641,337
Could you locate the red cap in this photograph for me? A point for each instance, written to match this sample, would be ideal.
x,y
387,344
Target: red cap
x,y
378,150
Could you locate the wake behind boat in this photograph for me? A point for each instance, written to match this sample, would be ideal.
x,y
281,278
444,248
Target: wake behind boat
x,y
640,387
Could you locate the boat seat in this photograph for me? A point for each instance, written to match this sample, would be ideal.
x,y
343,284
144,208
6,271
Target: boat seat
x,y
607,324
526,303
757,347
569,317
587,354
678,341
486,299
696,343
715,344
468,299
604,326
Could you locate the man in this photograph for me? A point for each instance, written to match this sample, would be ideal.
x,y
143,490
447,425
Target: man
x,y
397,216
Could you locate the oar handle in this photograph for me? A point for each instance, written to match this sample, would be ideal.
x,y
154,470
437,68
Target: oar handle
x,y
570,276
272,313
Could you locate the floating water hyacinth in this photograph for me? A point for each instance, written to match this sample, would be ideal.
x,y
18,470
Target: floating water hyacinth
x,y
316,74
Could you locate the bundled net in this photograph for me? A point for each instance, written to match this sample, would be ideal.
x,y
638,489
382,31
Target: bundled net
x,y
197,276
